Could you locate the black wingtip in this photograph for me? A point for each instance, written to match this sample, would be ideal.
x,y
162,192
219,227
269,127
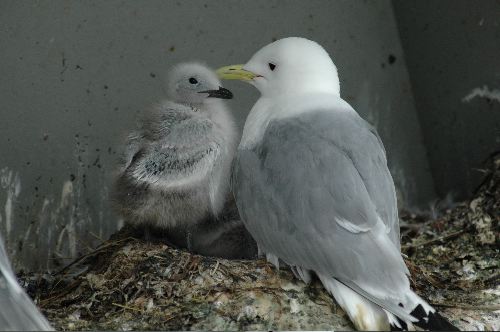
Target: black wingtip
x,y
432,322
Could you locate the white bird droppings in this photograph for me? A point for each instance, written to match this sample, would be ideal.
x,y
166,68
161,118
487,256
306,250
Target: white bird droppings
x,y
67,191
69,229
294,306
12,183
482,92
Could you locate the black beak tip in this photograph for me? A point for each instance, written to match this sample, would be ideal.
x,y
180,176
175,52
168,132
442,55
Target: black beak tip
x,y
227,93
221,93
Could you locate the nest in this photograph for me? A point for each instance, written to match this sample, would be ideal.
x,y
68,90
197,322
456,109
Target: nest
x,y
127,283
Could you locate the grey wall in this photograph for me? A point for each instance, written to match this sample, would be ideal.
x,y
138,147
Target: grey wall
x,y
452,49
74,75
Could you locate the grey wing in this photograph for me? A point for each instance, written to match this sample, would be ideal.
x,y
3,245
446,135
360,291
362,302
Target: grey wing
x,y
169,147
155,163
382,193
132,146
304,197
17,310
155,124
361,143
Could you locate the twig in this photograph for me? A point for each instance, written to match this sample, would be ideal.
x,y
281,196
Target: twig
x,y
97,237
60,257
64,292
93,253
215,269
85,243
127,307
491,278
159,257
438,239
169,318
492,307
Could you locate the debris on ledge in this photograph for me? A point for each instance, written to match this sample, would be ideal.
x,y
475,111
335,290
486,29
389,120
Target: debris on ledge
x,y
454,258
133,285
128,284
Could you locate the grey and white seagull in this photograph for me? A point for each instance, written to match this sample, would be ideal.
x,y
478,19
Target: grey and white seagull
x,y
174,176
312,186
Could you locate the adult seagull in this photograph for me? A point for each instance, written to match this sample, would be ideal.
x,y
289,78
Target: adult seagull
x,y
313,188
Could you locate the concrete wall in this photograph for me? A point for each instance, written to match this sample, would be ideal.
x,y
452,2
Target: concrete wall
x,y
452,49
74,75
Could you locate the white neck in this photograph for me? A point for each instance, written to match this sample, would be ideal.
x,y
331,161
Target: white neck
x,y
267,109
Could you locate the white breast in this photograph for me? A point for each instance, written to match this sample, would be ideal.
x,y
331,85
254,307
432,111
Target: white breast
x,y
267,109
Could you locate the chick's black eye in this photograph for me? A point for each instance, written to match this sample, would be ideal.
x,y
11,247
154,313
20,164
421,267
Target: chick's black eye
x,y
193,80
271,66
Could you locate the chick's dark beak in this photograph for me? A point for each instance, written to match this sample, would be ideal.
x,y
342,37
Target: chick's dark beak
x,y
222,93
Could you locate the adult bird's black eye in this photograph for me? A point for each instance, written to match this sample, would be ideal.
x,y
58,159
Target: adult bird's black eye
x,y
193,80
271,66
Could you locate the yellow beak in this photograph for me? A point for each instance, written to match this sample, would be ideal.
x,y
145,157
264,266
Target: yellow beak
x,y
235,72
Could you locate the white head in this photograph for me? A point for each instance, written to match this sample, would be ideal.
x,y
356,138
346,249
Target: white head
x,y
288,66
193,83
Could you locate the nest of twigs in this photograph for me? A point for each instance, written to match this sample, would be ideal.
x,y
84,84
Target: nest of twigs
x,y
127,283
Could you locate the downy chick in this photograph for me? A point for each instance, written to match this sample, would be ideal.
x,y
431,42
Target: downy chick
x,y
174,177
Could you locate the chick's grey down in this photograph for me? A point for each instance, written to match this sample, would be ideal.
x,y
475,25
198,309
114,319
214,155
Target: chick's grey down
x,y
174,176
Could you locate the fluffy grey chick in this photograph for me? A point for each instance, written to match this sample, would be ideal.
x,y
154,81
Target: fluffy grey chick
x,y
174,177
17,311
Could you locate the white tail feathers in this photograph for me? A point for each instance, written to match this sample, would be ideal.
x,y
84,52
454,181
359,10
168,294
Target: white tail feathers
x,y
302,274
273,259
367,315
413,300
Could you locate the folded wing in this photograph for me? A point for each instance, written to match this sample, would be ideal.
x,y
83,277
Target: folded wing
x,y
316,192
